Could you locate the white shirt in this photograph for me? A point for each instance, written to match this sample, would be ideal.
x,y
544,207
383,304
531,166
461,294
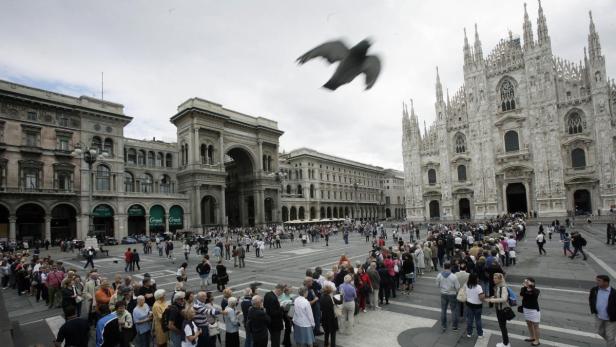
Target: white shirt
x,y
540,238
511,243
303,313
189,332
472,294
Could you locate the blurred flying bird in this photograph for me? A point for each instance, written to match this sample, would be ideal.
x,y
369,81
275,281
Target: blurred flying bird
x,y
353,62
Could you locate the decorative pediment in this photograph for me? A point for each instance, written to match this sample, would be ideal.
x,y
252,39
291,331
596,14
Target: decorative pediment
x,y
432,193
463,190
581,180
509,117
576,139
459,158
431,163
516,171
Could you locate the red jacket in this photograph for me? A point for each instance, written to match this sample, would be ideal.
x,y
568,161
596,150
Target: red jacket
x,y
128,256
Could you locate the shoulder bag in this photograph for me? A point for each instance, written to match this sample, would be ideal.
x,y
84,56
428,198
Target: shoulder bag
x,y
461,297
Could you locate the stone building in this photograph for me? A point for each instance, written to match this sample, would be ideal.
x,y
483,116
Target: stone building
x,y
527,131
393,188
318,186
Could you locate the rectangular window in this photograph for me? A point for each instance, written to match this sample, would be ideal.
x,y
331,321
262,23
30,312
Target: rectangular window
x,y
32,139
64,181
63,143
32,116
30,178
63,121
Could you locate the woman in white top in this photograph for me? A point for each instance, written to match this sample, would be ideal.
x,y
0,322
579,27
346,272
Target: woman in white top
x,y
191,332
303,321
474,305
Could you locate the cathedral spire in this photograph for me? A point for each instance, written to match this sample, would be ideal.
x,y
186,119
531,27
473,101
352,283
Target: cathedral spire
x,y
529,41
439,87
594,46
542,28
478,50
468,58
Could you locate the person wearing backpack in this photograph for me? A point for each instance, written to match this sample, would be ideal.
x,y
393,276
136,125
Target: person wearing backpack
x,y
500,299
190,332
578,243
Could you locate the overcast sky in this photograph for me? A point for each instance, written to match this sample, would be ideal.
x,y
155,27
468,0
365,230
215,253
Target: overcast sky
x,y
241,54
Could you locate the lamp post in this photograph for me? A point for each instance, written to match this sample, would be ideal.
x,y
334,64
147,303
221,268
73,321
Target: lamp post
x,y
90,156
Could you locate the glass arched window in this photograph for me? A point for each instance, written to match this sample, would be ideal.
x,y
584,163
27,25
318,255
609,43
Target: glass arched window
x,y
146,183
460,143
97,144
165,184
300,191
203,153
168,160
507,94
210,154
131,156
461,173
575,124
288,189
103,178
141,157
512,143
159,159
108,146
578,158
129,182
151,158
431,177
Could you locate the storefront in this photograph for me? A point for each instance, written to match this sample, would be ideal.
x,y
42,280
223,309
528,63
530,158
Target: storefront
x,y
176,218
102,220
157,219
136,220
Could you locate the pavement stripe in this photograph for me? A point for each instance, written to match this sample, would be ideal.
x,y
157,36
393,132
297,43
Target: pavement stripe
x,y
483,342
602,264
513,322
520,337
54,324
541,288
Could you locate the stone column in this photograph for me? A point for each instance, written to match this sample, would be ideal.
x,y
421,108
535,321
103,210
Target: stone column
x,y
147,223
12,228
221,152
48,228
260,154
196,206
504,197
78,232
526,187
122,228
85,225
259,206
167,222
196,149
116,227
223,207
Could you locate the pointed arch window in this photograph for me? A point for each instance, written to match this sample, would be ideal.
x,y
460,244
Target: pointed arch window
x,y
575,124
462,173
507,93
431,177
460,143
578,158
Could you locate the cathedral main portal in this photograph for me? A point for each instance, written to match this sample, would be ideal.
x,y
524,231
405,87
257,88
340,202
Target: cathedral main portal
x,y
516,198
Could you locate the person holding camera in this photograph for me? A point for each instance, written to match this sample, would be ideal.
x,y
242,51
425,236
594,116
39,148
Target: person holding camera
x,y
501,301
530,309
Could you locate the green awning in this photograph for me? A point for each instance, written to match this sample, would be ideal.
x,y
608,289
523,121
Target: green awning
x,y
176,216
157,215
136,211
102,211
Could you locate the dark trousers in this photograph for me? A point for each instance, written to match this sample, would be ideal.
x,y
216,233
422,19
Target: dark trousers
x,y
576,250
275,338
133,263
502,324
330,337
89,261
259,343
232,339
541,249
286,341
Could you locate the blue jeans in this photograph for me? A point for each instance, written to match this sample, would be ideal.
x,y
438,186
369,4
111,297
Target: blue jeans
x,y
473,314
143,340
176,339
248,340
451,301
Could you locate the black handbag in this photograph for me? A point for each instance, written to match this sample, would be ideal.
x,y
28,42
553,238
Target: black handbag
x,y
508,313
520,309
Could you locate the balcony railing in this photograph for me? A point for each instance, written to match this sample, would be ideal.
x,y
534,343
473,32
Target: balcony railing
x,y
12,190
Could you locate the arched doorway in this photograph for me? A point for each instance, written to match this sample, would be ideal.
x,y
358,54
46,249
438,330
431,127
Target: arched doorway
x,y
285,213
208,210
322,213
63,222
329,212
293,213
346,212
465,208
301,214
313,213
582,202
4,222
136,220
268,206
30,222
435,210
157,219
516,198
102,221
239,201
176,218
335,212
387,213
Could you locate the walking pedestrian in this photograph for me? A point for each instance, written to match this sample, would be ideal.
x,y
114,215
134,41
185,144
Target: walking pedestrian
x,y
540,239
602,301
89,253
203,270
530,309
135,260
449,286
303,320
501,304
128,258
186,248
242,256
578,243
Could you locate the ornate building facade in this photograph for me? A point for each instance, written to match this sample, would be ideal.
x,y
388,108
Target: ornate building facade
x,y
527,131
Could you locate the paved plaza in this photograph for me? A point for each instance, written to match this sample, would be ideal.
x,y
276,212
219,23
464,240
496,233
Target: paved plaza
x,y
407,321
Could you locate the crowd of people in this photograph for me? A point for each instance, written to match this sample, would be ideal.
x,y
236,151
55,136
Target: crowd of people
x,y
469,258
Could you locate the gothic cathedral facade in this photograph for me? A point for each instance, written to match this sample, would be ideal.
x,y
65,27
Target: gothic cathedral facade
x,y
527,132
